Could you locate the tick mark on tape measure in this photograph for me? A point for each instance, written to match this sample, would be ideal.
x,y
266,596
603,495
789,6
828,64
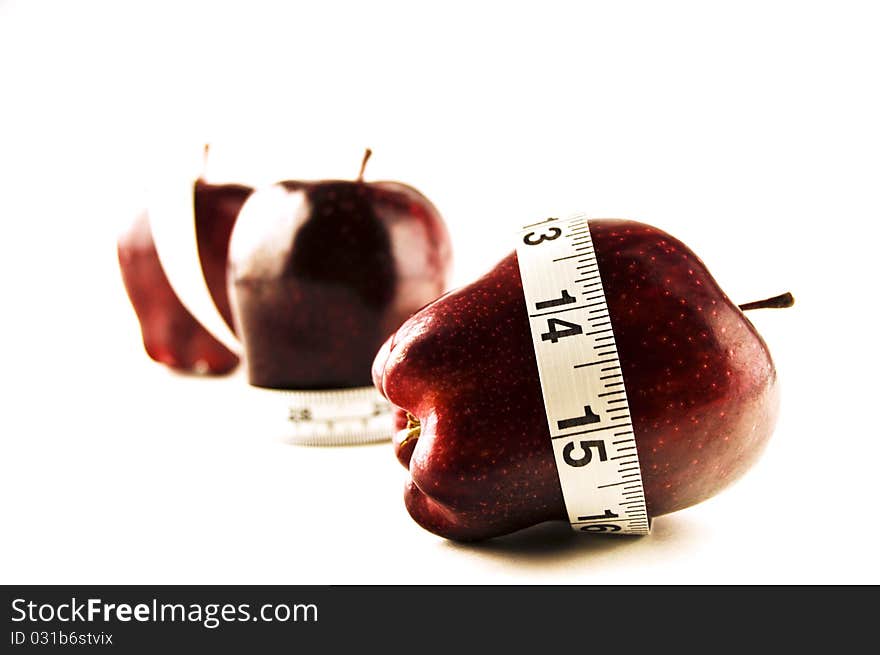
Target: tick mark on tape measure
x,y
621,441
598,332
601,361
611,393
559,311
623,457
572,434
613,384
613,484
559,259
611,377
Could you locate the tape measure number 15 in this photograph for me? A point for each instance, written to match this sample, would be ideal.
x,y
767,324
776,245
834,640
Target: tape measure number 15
x,y
588,415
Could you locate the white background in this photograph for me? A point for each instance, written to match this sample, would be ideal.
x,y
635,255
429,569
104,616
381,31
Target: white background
x,y
747,129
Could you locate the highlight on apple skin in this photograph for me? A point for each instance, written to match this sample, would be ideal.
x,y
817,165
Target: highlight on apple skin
x,y
701,385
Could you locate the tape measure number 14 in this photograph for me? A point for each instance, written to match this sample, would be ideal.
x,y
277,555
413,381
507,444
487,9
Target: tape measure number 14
x,y
591,428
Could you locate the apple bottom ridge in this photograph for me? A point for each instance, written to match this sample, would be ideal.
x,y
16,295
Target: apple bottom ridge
x,y
326,417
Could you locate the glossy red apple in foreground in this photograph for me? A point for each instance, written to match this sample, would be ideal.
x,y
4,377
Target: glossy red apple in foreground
x,y
322,272
701,386
171,334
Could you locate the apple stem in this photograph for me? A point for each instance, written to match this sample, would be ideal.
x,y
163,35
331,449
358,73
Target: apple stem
x,y
367,154
776,302
206,150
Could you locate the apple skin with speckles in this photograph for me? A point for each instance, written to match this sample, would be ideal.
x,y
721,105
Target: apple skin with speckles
x,y
701,385
321,272
171,334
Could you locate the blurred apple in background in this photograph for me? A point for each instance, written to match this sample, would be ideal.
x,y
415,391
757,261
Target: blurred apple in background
x,y
171,334
321,272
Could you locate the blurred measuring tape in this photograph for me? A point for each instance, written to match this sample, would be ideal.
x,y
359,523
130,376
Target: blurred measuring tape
x,y
591,428
328,417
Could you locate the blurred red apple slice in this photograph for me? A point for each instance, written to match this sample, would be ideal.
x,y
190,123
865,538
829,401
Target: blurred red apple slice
x,y
173,260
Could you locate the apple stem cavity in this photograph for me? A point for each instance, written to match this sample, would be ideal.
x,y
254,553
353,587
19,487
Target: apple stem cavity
x,y
367,154
776,302
413,428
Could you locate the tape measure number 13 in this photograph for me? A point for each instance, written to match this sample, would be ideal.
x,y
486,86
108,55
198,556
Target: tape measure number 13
x,y
588,415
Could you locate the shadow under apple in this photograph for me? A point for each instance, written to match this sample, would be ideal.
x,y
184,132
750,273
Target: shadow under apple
x,y
555,541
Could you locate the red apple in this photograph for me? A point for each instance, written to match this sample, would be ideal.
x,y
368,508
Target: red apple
x,y
322,272
700,381
171,334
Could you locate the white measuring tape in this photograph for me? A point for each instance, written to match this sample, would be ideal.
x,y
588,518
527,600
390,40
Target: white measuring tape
x,y
330,417
340,417
591,428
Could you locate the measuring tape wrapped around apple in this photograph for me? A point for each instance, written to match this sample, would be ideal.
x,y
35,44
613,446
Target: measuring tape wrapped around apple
x,y
304,280
582,382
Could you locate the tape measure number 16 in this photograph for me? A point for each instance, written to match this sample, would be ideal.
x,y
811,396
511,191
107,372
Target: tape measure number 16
x,y
588,415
